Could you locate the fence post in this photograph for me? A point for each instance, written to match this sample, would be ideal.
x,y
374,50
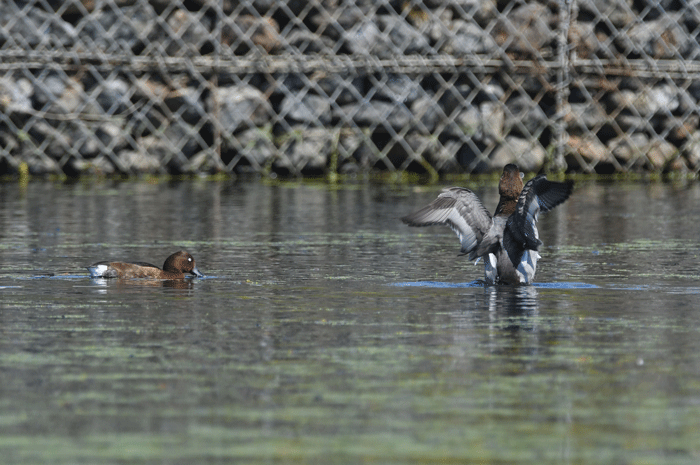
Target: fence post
x,y
562,87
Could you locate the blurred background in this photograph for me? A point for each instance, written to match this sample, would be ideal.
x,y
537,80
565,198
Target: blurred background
x,y
328,87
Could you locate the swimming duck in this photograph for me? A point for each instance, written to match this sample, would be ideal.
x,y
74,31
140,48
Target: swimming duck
x,y
508,241
175,267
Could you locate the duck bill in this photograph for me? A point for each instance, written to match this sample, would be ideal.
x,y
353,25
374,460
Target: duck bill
x,y
196,272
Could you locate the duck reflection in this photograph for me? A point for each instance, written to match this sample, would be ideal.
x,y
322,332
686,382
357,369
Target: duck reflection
x,y
178,283
512,323
103,284
512,300
504,314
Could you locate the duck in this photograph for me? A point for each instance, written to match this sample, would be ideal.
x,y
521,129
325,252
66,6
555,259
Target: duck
x,y
508,242
175,267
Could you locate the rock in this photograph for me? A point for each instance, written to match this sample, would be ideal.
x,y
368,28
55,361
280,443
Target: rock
x,y
231,6
307,42
647,101
481,11
365,38
184,141
445,157
525,29
456,98
112,136
686,103
490,92
127,28
484,123
353,152
428,112
105,138
345,90
39,163
173,149
680,128
691,22
580,117
47,91
467,38
448,157
492,121
631,123
619,12
375,113
246,30
307,150
15,96
436,27
186,101
145,120
678,164
659,153
73,100
525,117
404,37
399,88
629,150
342,20
309,109
530,156
36,27
691,150
467,122
469,156
191,34
145,160
255,146
206,161
584,40
148,117
585,152
113,97
161,149
662,38
239,107
56,143
100,166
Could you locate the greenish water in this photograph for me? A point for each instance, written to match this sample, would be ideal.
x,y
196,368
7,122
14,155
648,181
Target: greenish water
x,y
326,331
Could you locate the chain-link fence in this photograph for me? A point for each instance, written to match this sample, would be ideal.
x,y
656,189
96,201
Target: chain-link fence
x,y
337,86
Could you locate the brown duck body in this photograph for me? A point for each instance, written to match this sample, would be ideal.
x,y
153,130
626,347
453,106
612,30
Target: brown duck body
x,y
175,267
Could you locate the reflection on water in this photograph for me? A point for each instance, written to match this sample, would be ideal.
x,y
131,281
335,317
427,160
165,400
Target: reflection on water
x,y
327,331
121,283
513,300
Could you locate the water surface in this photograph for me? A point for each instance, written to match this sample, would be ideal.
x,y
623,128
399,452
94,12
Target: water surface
x,y
327,331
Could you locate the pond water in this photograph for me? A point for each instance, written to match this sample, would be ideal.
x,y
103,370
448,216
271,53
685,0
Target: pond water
x,y
326,331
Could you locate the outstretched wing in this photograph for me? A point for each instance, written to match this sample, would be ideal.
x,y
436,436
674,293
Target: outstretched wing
x,y
538,195
461,210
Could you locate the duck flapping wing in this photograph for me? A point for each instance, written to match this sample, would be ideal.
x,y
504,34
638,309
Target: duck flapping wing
x,y
538,195
461,210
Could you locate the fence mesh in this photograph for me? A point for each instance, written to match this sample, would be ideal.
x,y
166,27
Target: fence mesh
x,y
335,86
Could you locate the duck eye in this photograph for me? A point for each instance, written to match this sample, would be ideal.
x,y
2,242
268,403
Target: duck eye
x,y
189,259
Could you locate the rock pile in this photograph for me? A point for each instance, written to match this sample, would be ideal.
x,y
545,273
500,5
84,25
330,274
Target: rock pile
x,y
189,86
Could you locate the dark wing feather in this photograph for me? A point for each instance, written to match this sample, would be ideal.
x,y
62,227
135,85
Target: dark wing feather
x,y
461,210
538,195
549,194
513,248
